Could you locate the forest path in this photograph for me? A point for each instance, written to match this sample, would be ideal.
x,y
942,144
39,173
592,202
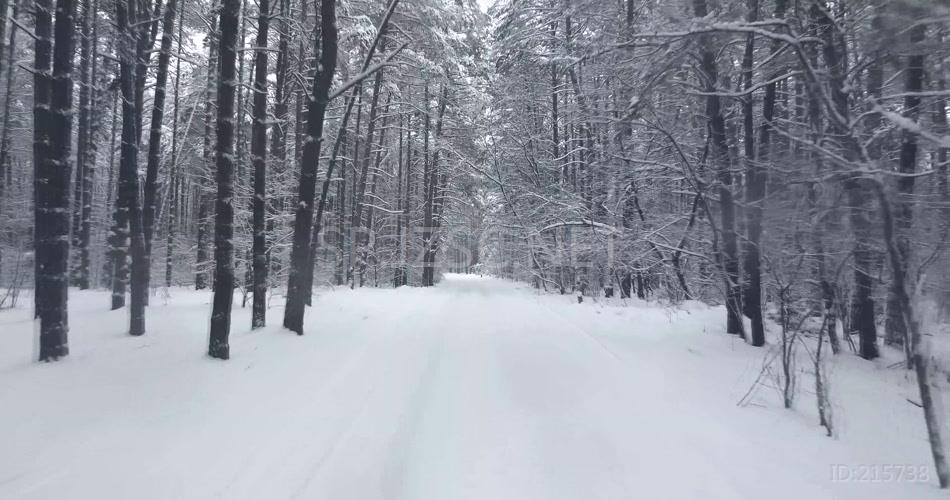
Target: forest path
x,y
478,388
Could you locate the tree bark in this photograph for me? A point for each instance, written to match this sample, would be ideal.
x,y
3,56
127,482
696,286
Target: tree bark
x,y
303,222
10,78
52,114
129,46
201,263
723,164
862,321
174,193
755,184
218,346
278,168
155,131
896,330
259,159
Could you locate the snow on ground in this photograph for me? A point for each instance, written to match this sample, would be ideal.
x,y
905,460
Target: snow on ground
x,y
476,389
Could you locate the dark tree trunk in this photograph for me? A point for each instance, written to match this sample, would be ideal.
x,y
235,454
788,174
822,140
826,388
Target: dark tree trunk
x,y
82,140
4,7
51,155
259,158
146,29
303,223
201,264
10,78
856,188
224,204
128,163
173,186
903,208
361,233
432,181
755,183
369,239
399,271
723,164
278,168
112,264
155,131
86,146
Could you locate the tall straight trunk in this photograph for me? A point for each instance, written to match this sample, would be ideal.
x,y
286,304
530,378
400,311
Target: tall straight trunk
x,y
755,181
259,158
10,78
42,204
361,235
862,321
426,176
174,198
555,140
300,92
51,155
431,212
397,271
728,253
146,28
817,129
113,265
340,271
278,168
87,138
407,203
369,238
350,276
126,19
4,7
896,331
316,111
155,131
201,273
82,137
324,193
224,204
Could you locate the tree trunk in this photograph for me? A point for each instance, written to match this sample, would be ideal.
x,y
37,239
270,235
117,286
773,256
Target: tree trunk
x,y
259,158
52,115
155,132
201,264
303,223
278,168
755,184
174,195
361,235
129,45
10,78
723,164
88,139
224,204
82,141
862,320
896,331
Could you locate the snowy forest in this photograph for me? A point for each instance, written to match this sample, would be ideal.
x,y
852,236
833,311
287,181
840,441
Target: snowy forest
x,y
556,231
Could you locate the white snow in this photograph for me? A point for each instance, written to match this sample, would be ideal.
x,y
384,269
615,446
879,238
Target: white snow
x,y
476,389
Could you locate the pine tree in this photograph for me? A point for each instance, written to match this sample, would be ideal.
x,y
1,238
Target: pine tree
x,y
218,346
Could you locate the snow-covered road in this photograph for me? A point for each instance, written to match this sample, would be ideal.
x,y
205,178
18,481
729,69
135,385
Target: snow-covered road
x,y
477,389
